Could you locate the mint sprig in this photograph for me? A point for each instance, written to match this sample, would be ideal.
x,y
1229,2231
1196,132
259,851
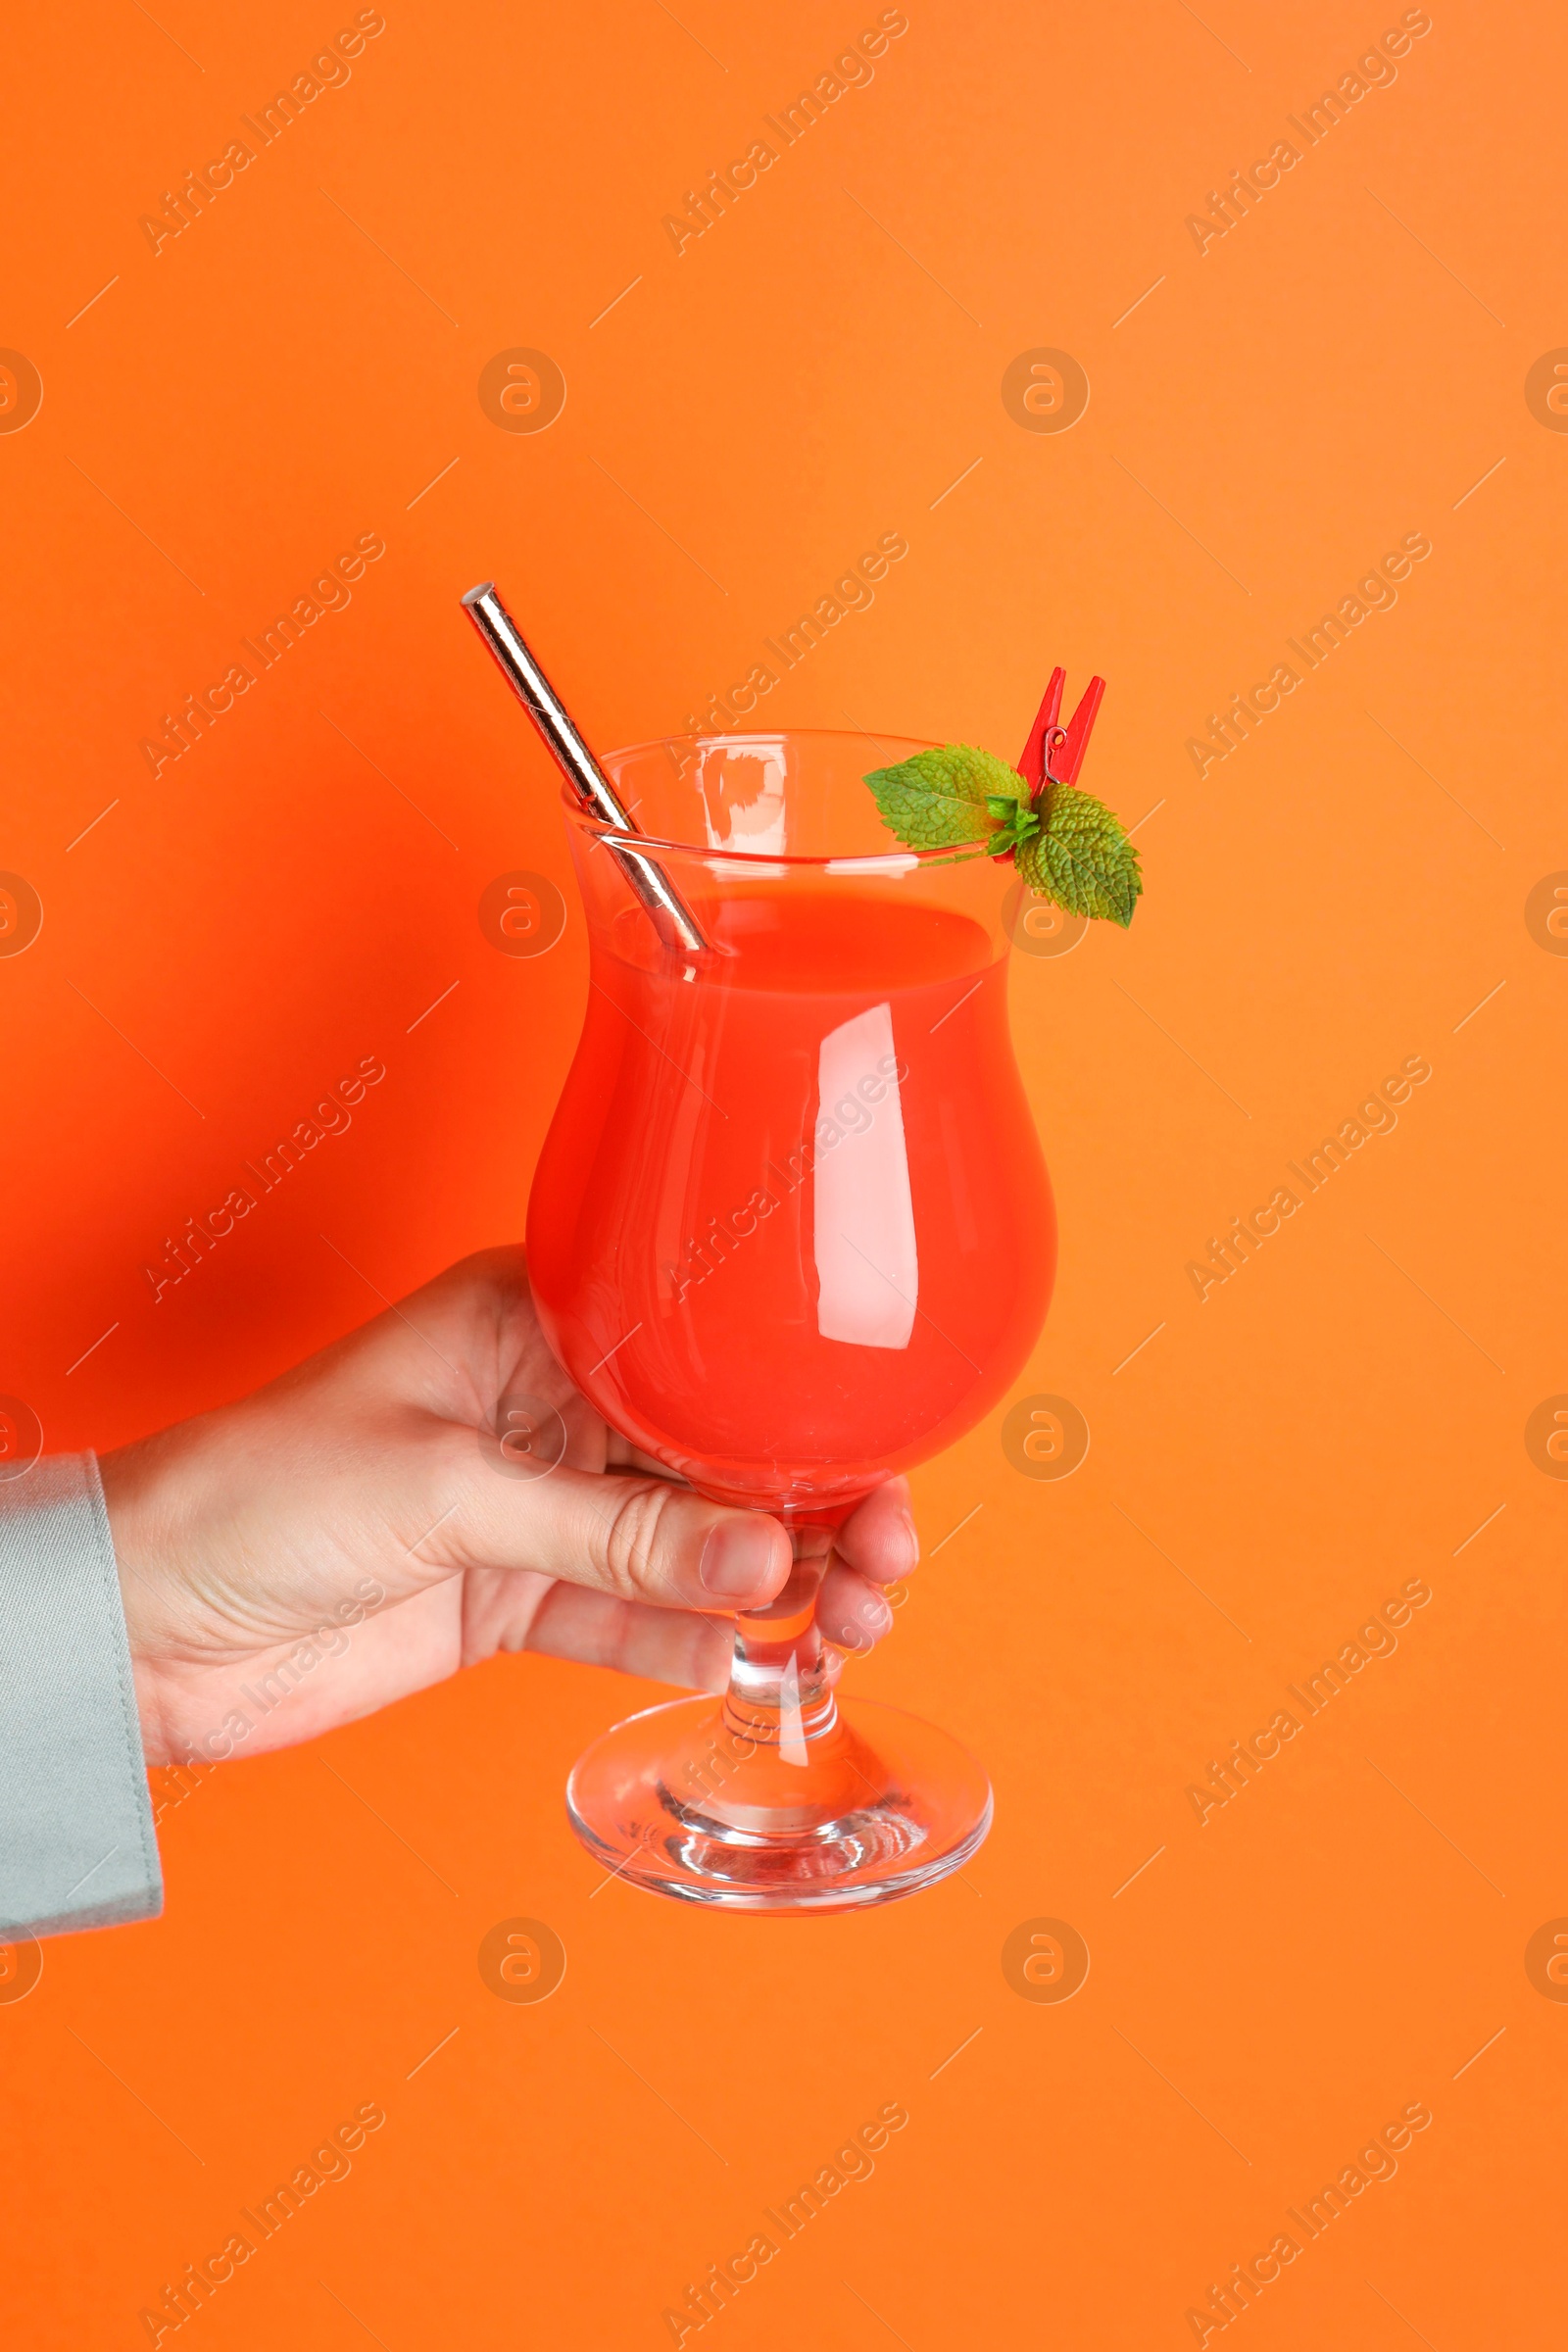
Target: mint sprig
x,y
1067,845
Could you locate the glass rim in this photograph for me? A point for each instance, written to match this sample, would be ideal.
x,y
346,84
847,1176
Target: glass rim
x,y
899,859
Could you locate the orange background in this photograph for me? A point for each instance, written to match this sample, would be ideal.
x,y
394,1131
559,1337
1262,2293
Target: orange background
x,y
1337,895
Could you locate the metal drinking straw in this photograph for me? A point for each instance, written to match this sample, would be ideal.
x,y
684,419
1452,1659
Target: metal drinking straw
x,y
668,911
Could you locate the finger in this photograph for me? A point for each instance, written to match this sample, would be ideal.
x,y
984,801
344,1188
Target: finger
x,y
635,1537
664,1645
622,1454
878,1537
850,1611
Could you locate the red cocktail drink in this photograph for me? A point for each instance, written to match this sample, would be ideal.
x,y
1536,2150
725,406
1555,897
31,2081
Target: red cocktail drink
x,y
766,1234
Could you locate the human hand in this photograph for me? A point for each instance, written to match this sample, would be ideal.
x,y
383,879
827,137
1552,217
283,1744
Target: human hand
x,y
342,1536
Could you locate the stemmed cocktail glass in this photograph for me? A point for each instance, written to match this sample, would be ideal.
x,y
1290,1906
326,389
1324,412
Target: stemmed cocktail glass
x,y
791,1231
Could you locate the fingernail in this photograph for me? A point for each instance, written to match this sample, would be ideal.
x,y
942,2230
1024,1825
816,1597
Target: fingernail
x,y
912,1533
737,1558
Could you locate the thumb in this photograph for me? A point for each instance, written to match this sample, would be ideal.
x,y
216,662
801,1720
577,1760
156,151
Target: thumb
x,y
640,1539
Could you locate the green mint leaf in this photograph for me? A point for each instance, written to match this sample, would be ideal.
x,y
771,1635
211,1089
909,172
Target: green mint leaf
x,y
1081,859
943,797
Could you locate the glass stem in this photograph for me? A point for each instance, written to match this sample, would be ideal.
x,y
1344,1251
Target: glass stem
x,y
780,1696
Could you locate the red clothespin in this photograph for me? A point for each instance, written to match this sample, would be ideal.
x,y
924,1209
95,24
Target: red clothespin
x,y
1065,746
1031,766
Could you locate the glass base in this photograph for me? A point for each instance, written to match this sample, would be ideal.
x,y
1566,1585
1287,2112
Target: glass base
x,y
686,1801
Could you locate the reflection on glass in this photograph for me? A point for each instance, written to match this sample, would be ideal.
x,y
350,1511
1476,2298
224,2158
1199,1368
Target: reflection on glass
x,y
867,1268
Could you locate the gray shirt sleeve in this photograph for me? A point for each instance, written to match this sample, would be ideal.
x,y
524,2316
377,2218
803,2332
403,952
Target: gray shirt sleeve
x,y
76,1843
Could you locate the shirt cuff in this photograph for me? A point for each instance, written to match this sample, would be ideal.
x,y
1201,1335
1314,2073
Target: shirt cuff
x,y
76,1843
